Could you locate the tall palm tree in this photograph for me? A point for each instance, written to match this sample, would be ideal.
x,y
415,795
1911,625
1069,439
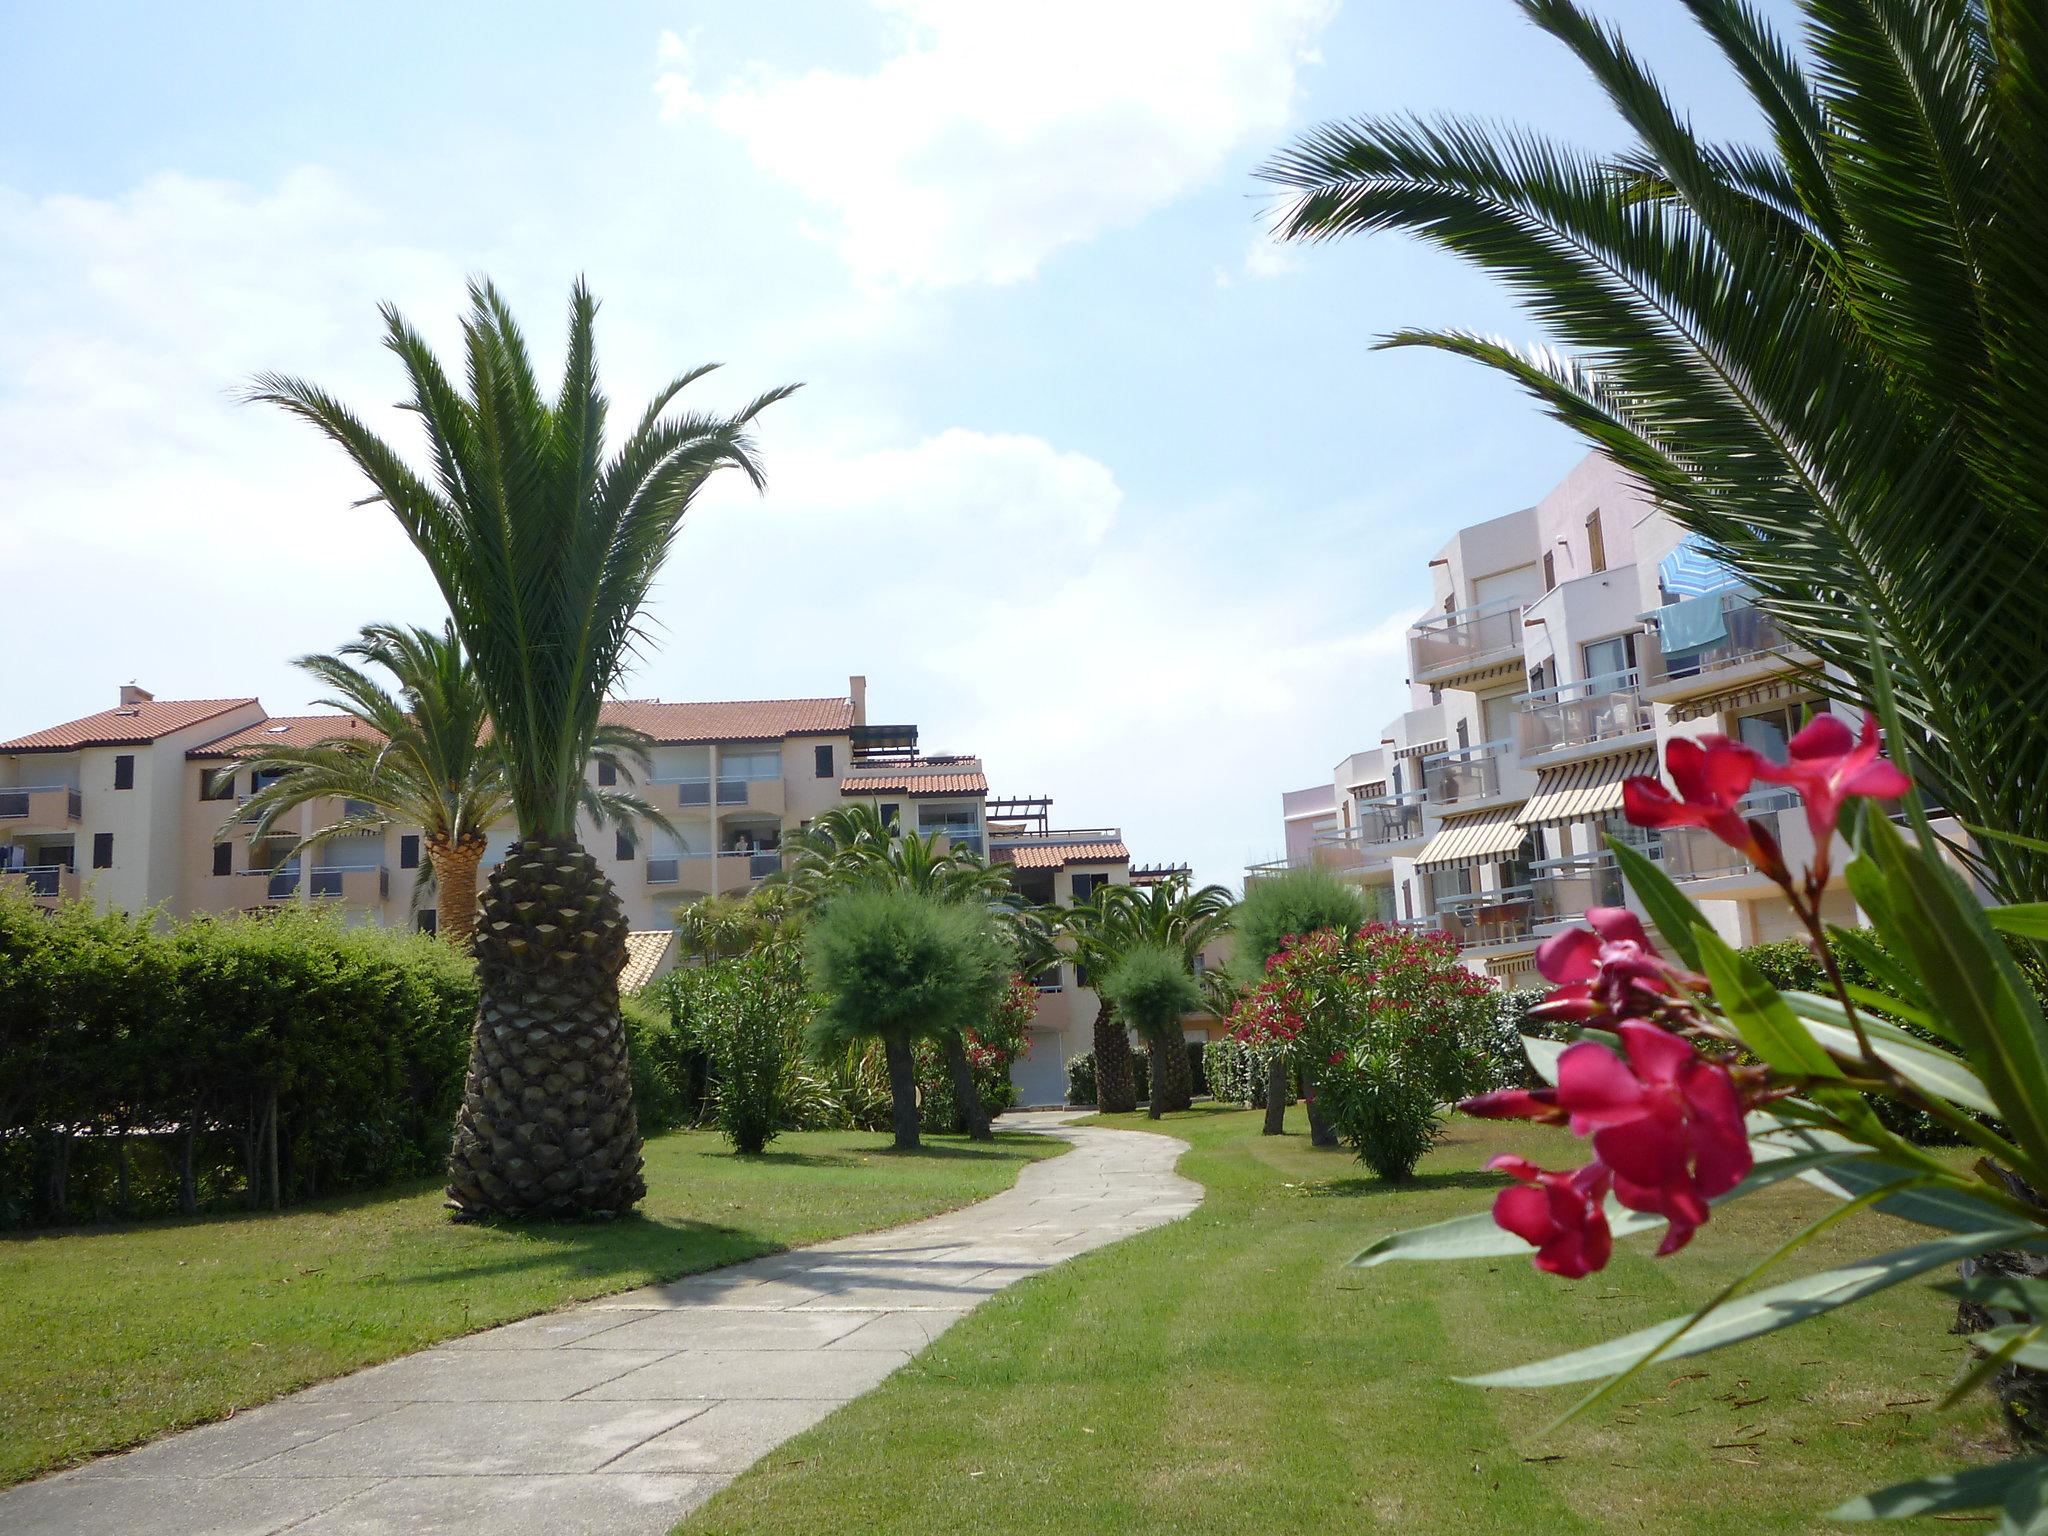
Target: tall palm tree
x,y
424,756
544,549
1114,922
1828,356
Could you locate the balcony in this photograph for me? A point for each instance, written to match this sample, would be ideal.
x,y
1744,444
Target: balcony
x,y
45,884
355,885
1384,824
1564,890
1465,777
1599,709
42,807
1452,646
1486,919
690,870
1691,855
1749,645
744,865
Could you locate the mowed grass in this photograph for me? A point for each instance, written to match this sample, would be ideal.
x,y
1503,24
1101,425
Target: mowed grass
x,y
112,1335
1227,1373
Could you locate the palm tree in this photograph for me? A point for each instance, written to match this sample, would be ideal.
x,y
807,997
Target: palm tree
x,y
1116,920
545,551
424,756
1828,357
1152,989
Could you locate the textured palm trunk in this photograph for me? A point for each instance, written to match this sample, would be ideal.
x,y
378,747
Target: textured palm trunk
x,y
1276,1095
1115,1091
968,1110
547,1125
455,888
1157,1049
902,1093
1180,1073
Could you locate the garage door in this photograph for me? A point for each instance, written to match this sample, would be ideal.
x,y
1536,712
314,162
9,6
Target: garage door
x,y
1041,1075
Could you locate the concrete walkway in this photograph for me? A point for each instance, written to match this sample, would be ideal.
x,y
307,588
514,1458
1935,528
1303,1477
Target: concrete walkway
x,y
622,1415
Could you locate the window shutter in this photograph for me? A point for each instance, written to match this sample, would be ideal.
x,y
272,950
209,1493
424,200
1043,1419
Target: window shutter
x,y
124,771
103,850
824,753
623,847
223,858
409,851
607,773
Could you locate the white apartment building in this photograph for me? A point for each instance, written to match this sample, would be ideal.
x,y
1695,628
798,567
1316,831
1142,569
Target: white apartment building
x,y
1565,643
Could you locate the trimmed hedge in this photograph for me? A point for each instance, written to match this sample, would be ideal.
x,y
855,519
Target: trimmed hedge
x,y
146,1070
1081,1077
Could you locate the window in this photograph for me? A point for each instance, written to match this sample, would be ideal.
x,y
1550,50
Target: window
x,y
1497,715
429,920
1087,882
103,850
1408,900
607,772
622,846
1604,658
216,784
1769,730
357,810
824,756
750,765
263,780
1539,677
223,858
1549,569
409,851
124,771
1596,541
892,814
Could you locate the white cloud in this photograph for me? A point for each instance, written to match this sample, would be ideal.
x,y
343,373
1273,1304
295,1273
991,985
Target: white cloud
x,y
995,135
1269,258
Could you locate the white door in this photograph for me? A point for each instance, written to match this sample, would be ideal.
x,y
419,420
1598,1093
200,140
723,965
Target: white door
x,y
1040,1076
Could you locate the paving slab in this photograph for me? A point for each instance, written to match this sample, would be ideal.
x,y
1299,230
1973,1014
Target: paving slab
x,y
621,1415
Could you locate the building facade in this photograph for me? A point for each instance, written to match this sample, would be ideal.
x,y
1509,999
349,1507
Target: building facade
x,y
1564,645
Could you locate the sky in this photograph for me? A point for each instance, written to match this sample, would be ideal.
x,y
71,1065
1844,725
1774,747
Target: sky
x,y
1088,475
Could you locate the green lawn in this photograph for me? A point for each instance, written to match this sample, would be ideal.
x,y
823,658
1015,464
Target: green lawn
x,y
1226,1373
112,1335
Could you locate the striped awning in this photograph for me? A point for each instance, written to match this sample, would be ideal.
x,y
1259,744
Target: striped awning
x,y
1475,839
1584,791
1768,691
1421,749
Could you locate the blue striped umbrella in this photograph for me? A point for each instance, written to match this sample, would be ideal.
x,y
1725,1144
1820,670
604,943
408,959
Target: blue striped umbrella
x,y
1690,571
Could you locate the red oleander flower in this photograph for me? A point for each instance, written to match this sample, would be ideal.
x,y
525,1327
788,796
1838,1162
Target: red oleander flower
x,y
1538,1104
1827,766
1712,775
1609,968
1560,1213
1666,1120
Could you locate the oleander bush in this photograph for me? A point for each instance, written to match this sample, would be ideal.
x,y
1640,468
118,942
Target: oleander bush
x,y
147,1069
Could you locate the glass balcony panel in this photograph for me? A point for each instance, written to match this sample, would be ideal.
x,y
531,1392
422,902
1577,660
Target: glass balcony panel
x,y
1694,853
1463,638
1573,714
1564,889
1748,634
1489,917
1474,773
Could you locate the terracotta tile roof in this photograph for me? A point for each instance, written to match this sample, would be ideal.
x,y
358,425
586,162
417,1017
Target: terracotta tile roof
x,y
648,951
131,725
733,720
1057,855
286,731
917,784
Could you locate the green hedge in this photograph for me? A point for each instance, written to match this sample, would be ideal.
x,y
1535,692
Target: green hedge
x,y
148,1069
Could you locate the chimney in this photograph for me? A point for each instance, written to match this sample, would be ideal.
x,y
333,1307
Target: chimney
x,y
857,690
132,695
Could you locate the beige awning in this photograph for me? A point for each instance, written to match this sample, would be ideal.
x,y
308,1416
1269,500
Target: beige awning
x,y
1768,691
1585,791
1421,749
1474,839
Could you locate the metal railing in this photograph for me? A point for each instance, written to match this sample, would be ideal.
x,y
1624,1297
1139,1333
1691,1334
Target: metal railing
x,y
760,862
1471,773
1749,635
664,871
1488,917
1466,637
1693,853
1390,818
14,803
1573,714
46,880
957,837
1563,890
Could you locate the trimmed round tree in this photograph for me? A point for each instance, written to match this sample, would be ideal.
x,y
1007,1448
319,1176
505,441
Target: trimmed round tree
x,y
899,965
1272,914
1152,989
544,547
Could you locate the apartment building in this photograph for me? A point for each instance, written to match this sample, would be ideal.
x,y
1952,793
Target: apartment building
x,y
1565,643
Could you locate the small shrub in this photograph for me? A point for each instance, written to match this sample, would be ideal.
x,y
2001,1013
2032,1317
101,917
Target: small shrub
x,y
753,1009
1290,906
1081,1078
650,1051
1383,1108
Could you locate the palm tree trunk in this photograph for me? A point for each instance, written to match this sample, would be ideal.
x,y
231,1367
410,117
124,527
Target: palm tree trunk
x,y
546,1126
902,1092
1157,1049
1276,1095
1115,1093
1180,1074
967,1106
455,888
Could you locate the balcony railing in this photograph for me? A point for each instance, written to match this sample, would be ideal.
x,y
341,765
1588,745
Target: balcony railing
x,y
664,871
1564,890
1389,819
1466,638
45,881
759,862
16,804
1471,773
1488,917
1748,634
689,792
1574,714
733,791
957,837
1693,853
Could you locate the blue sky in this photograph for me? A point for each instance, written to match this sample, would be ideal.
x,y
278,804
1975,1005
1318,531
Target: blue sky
x,y
1087,475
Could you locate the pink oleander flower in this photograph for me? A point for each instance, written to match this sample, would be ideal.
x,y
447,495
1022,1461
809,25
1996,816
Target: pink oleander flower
x,y
1666,1120
1827,766
1609,968
1537,1104
1712,775
1562,1214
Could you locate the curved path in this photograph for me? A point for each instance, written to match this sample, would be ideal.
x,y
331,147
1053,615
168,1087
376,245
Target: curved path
x,y
622,1415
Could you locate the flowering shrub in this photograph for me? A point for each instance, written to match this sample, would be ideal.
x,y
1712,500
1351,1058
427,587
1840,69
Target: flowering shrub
x,y
1695,1081
1380,1021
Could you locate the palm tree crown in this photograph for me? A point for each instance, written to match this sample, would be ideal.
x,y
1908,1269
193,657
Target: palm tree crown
x,y
1829,357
